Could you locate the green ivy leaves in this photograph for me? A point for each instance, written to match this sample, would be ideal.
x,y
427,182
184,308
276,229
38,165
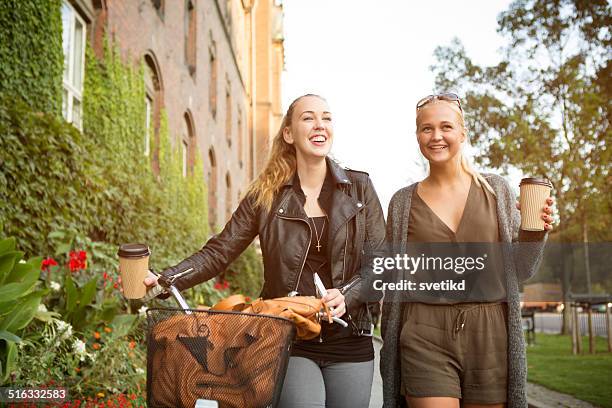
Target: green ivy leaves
x,y
31,56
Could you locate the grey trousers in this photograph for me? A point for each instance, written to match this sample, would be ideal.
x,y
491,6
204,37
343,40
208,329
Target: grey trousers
x,y
310,384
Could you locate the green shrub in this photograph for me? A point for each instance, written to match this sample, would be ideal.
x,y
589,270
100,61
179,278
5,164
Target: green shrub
x,y
31,56
44,165
19,300
245,274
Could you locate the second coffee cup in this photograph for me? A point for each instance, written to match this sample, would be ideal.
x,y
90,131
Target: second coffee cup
x,y
534,192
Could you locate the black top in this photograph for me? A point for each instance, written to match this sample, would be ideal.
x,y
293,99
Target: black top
x,y
316,260
335,343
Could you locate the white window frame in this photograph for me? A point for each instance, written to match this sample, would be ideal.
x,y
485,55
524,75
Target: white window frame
x,y
70,89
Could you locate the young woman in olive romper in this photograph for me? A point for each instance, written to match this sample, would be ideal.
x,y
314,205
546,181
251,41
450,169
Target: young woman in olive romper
x,y
449,354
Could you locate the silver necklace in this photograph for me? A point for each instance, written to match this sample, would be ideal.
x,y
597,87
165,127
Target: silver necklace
x,y
318,246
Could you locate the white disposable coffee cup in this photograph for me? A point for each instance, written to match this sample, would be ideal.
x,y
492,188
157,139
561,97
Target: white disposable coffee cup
x,y
134,267
534,192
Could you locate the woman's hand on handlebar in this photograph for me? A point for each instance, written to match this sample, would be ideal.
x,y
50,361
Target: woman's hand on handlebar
x,y
151,280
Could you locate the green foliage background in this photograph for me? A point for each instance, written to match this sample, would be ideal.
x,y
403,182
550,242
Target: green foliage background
x,y
31,56
546,110
98,183
546,107
128,202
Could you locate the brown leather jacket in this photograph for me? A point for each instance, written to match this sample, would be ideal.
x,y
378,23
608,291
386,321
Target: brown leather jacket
x,y
357,227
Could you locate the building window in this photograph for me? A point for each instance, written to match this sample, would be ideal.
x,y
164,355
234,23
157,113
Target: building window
x,y
159,6
240,137
211,178
228,115
73,42
212,85
188,144
190,37
153,100
228,196
185,155
148,118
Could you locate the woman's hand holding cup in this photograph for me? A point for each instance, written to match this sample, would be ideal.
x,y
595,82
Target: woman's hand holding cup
x,y
547,213
150,281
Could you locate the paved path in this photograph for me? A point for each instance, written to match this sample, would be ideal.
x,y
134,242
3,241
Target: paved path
x,y
376,400
540,397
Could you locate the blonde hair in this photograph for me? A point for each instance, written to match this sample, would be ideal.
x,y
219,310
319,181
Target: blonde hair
x,y
465,163
280,166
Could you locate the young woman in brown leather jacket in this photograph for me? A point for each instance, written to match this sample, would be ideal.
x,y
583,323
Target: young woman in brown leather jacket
x,y
311,216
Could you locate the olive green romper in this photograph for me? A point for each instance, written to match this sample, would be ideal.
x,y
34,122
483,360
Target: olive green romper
x,y
456,350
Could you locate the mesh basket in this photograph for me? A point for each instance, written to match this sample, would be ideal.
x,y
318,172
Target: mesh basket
x,y
236,359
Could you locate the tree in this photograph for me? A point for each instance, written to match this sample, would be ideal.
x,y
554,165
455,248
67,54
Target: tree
x,y
546,107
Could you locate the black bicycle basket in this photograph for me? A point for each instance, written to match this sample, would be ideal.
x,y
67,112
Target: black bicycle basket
x,y
236,359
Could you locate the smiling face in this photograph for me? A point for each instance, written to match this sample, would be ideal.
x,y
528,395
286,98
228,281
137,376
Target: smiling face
x,y
310,130
440,132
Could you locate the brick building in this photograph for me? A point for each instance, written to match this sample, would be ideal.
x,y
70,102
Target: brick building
x,y
214,66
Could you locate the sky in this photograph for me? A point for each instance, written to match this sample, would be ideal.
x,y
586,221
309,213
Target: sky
x,y
371,61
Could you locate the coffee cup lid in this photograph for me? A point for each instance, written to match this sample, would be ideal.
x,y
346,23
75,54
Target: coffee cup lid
x,y
134,251
533,180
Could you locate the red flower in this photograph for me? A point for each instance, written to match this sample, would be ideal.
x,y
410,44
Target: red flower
x,y
78,260
218,286
225,284
73,264
47,263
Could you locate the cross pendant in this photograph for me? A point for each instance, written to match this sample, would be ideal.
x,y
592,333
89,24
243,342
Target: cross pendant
x,y
318,247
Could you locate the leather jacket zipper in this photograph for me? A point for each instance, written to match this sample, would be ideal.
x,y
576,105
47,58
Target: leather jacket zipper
x,y
297,283
344,255
174,277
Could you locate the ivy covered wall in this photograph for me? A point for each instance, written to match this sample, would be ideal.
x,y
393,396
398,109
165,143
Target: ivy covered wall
x,y
97,183
31,56
128,202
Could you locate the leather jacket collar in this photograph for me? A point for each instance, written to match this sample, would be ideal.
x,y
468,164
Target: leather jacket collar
x,y
337,203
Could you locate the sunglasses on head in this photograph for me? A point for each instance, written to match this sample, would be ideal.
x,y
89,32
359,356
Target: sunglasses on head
x,y
447,96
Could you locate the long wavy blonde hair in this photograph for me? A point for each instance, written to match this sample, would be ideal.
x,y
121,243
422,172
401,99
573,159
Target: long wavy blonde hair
x,y
280,166
465,163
